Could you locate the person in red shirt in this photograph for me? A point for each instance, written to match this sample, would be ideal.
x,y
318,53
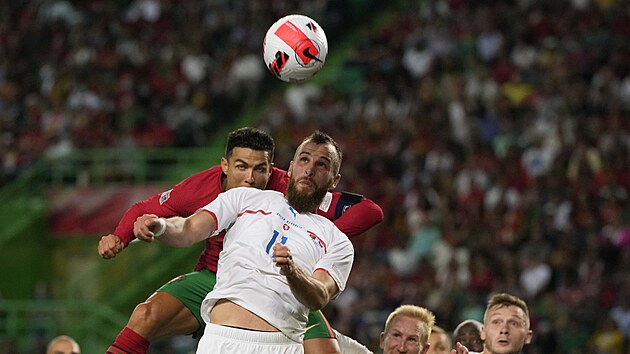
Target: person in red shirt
x,y
174,309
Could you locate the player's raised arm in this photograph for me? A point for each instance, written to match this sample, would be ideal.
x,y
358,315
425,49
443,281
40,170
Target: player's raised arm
x,y
176,231
183,199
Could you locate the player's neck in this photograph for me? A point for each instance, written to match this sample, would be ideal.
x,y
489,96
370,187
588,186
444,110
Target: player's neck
x,y
223,182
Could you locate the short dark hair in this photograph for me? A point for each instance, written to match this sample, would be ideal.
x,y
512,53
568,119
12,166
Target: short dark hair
x,y
319,138
250,138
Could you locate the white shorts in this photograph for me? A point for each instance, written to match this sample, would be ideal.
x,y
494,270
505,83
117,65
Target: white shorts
x,y
223,339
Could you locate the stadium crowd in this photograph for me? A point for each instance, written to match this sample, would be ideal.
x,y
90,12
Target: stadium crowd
x,y
494,135
137,73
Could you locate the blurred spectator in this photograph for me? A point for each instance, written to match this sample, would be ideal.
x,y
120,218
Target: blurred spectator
x,y
439,341
63,345
607,339
620,314
146,72
468,332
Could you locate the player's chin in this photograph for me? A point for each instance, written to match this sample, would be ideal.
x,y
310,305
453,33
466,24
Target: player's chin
x,y
306,191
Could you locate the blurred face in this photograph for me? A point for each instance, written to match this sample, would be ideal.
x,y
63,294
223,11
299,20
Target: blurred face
x,y
470,337
403,336
505,330
63,347
246,168
439,343
311,176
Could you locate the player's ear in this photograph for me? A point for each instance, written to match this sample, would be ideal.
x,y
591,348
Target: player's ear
x,y
335,181
528,339
224,165
290,168
426,348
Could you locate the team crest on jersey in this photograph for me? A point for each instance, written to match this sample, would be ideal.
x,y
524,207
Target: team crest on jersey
x,y
165,196
316,240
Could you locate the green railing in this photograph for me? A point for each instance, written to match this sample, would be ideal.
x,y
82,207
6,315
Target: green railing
x,y
97,167
30,255
25,322
25,199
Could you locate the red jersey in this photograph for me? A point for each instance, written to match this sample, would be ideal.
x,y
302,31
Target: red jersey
x,y
198,190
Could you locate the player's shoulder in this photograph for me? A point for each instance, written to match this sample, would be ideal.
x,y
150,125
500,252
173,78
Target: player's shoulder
x,y
210,175
200,187
324,222
255,192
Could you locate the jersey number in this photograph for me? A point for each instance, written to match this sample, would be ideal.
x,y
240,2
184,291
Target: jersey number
x,y
283,240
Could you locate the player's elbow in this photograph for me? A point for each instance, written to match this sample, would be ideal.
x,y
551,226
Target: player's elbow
x,y
376,213
318,302
324,295
192,232
378,216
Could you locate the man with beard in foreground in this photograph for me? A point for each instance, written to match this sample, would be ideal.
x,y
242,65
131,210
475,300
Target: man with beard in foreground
x,y
174,308
280,259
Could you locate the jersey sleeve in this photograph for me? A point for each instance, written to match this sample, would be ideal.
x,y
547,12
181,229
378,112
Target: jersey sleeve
x,y
338,260
124,230
182,200
226,207
352,213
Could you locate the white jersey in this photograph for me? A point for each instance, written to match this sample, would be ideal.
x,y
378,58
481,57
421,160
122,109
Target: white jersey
x,y
255,220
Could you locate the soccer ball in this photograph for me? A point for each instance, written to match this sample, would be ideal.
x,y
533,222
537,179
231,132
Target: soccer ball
x,y
295,48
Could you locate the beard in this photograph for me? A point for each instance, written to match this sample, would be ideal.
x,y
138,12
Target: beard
x,y
302,201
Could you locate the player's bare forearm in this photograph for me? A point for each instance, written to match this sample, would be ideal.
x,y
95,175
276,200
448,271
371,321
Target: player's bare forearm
x,y
314,291
175,231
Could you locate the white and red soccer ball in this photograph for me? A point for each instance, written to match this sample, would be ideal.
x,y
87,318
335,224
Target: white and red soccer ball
x,y
295,48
